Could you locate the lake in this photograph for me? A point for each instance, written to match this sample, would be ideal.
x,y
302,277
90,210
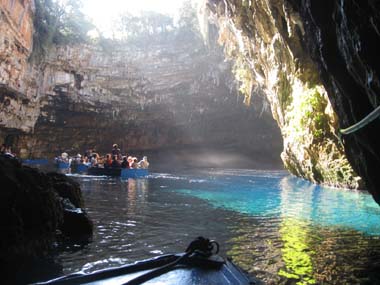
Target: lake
x,y
282,229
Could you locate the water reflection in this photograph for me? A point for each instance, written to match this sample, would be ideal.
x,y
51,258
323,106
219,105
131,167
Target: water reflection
x,y
296,212
320,231
137,194
282,229
297,232
296,252
315,242
335,208
291,197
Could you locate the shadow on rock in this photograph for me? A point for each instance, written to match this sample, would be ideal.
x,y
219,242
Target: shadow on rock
x,y
36,208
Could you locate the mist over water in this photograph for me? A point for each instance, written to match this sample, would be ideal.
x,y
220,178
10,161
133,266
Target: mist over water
x,y
195,159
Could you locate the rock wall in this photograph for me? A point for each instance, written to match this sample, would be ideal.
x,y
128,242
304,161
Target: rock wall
x,y
36,210
316,63
162,95
19,102
266,39
343,39
173,94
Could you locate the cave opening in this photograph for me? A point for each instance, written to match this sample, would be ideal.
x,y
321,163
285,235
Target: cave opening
x,y
144,76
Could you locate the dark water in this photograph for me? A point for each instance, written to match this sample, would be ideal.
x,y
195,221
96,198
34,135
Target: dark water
x,y
282,229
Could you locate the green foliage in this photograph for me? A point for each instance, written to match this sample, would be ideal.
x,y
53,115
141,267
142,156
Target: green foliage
x,y
188,20
314,106
147,24
58,23
243,17
150,27
284,91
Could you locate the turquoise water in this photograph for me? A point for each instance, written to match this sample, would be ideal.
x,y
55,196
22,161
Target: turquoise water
x,y
261,193
279,228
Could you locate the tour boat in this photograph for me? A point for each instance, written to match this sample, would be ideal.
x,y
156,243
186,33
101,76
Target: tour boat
x,y
200,264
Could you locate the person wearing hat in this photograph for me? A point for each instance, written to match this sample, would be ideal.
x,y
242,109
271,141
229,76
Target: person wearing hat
x,y
78,158
64,157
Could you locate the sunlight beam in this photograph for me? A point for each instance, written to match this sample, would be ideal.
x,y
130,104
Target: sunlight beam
x,y
105,13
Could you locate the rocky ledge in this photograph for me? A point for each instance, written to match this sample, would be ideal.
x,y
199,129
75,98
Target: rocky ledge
x,y
36,209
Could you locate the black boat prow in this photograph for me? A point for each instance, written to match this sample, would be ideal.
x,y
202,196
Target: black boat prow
x,y
198,265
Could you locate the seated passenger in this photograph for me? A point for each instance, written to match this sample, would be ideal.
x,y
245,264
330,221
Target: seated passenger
x,y
130,161
94,159
115,163
135,164
88,152
108,161
64,157
144,163
125,163
3,148
77,159
7,151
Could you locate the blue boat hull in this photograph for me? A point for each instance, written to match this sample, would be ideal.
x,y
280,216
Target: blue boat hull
x,y
63,165
134,173
124,173
79,168
35,161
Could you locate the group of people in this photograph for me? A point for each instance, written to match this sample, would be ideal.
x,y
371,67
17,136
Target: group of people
x,y
6,150
114,159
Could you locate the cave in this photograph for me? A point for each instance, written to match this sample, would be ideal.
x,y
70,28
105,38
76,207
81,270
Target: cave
x,y
259,119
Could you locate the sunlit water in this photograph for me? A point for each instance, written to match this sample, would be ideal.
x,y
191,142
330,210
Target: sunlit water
x,y
282,229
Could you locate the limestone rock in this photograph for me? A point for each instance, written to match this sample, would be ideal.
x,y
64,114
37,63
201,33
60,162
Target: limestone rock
x,y
19,102
266,39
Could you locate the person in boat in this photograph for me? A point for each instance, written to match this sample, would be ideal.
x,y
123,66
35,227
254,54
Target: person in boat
x,y
94,160
108,161
144,164
77,159
64,157
3,148
85,159
135,163
116,150
88,153
74,161
125,163
130,161
7,151
115,163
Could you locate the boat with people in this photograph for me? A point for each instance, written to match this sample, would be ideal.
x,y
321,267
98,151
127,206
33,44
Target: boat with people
x,y
199,264
112,164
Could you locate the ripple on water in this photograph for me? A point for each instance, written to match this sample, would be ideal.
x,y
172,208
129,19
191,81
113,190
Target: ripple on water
x,y
282,229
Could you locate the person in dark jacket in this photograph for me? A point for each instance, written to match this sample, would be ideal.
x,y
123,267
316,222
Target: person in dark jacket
x,y
115,163
125,163
115,150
